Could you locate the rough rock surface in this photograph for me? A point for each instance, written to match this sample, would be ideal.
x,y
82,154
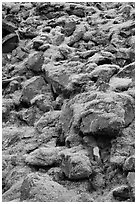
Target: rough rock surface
x,y
68,106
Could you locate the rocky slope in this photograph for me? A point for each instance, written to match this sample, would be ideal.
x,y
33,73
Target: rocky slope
x,y
68,80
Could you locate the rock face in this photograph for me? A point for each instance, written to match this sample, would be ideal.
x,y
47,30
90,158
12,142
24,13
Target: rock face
x,y
68,101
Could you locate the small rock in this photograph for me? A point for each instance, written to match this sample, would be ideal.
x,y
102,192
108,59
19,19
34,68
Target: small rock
x,y
131,179
121,192
58,39
48,119
120,84
77,35
31,88
98,181
117,160
44,47
69,27
75,165
129,164
46,29
37,44
9,43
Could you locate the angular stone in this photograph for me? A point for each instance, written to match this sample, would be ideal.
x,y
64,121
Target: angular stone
x,y
131,179
35,61
9,43
75,165
31,88
48,119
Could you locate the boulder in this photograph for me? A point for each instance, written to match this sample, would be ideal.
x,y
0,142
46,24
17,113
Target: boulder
x,y
102,113
44,156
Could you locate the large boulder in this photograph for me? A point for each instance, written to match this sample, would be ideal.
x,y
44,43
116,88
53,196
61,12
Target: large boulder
x,y
38,187
98,113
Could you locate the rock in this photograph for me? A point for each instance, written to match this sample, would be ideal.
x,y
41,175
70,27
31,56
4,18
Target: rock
x,y
65,50
14,176
7,106
48,119
58,39
98,181
69,27
31,88
79,11
108,122
97,113
77,35
37,44
117,160
120,84
129,164
87,53
38,187
30,115
35,61
7,28
131,179
46,29
13,193
43,102
75,165
102,58
44,156
121,193
9,43
56,173
44,47
127,71
105,70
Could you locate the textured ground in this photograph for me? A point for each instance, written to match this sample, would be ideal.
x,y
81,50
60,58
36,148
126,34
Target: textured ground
x,y
68,85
